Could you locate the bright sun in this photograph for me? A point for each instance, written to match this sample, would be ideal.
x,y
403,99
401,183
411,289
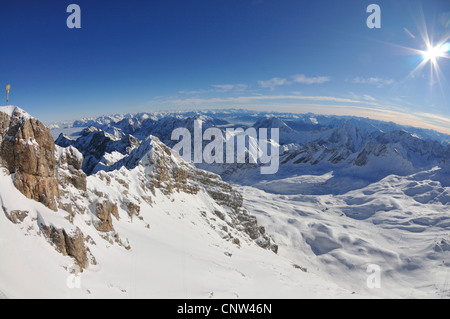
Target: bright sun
x,y
433,53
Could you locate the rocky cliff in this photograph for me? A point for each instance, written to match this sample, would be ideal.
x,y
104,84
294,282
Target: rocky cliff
x,y
27,151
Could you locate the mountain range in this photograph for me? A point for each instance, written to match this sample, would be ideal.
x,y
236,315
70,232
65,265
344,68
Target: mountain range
x,y
108,202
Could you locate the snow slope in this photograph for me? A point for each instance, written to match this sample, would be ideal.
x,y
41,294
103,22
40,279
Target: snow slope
x,y
180,256
399,223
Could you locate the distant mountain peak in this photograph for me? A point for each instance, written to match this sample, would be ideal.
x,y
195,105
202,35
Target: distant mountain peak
x,y
272,121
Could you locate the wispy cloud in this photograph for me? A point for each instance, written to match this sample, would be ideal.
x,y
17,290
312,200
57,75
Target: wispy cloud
x,y
267,84
251,99
230,87
303,79
364,97
436,119
368,97
379,82
299,78
219,88
194,92
272,83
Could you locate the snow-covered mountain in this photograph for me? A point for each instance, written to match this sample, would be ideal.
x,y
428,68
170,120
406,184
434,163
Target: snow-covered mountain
x,y
155,226
112,211
242,118
341,143
96,145
349,192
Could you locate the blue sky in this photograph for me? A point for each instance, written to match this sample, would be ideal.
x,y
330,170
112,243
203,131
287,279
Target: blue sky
x,y
272,55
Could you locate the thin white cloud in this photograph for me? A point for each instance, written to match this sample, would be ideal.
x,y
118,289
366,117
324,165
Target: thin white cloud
x,y
437,119
251,99
303,79
379,82
230,87
368,97
194,92
272,83
219,88
299,78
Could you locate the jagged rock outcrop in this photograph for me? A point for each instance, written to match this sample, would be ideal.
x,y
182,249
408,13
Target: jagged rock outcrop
x,y
27,151
71,179
104,211
132,209
16,216
68,244
69,164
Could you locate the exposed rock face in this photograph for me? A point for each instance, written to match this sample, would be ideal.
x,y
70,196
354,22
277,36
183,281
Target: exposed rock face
x,y
104,211
41,189
68,245
27,150
69,170
370,149
225,195
16,216
132,209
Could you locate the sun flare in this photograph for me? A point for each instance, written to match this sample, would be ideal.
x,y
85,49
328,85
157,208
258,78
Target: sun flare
x,y
435,52
433,56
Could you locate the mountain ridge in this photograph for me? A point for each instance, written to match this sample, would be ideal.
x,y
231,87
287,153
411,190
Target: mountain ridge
x,y
89,214
367,149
